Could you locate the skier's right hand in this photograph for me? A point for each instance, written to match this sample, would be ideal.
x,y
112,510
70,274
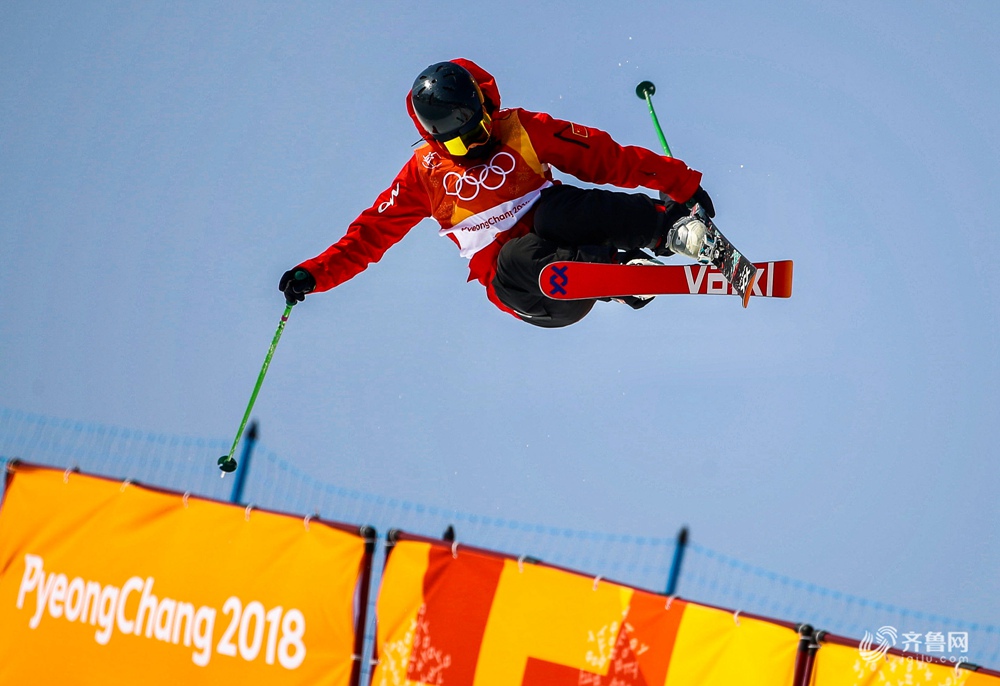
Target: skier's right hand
x,y
295,284
701,197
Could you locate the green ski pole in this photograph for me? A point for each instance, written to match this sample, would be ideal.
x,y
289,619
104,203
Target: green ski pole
x,y
226,462
645,91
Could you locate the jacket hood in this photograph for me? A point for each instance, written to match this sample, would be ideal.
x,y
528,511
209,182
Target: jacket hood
x,y
487,84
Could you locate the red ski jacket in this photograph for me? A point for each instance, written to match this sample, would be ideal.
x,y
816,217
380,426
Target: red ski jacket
x,y
480,204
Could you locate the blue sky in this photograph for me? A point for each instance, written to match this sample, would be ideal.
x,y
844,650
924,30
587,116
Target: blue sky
x,y
161,164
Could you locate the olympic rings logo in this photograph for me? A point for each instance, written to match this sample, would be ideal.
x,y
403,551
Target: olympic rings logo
x,y
491,176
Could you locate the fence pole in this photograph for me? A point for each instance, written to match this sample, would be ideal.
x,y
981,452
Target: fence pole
x,y
675,564
804,655
371,537
241,475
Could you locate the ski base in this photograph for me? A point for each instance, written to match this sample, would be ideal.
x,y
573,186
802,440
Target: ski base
x,y
586,280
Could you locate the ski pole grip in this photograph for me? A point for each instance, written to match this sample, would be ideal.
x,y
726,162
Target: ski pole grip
x,y
299,275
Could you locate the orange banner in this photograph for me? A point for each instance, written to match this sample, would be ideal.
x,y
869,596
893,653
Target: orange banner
x,y
103,583
466,617
841,664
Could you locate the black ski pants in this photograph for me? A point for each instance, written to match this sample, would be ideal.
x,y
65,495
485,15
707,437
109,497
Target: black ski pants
x,y
577,224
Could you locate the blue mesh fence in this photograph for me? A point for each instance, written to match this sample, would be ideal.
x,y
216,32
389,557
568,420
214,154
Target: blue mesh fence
x,y
716,579
639,561
179,463
173,462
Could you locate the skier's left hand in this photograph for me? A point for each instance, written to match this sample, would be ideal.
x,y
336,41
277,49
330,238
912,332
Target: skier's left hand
x,y
701,197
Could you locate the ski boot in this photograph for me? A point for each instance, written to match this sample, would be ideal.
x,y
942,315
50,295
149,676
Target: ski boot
x,y
632,257
692,237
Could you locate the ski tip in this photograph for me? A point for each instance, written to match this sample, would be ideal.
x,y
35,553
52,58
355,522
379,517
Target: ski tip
x,y
749,291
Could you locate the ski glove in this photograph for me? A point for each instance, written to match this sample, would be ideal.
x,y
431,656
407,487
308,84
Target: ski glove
x,y
295,284
701,197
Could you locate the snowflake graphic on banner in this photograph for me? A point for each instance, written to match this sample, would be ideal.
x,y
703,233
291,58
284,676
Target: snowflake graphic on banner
x,y
615,644
898,671
425,663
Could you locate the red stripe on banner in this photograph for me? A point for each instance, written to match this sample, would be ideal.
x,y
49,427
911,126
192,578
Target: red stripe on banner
x,y
541,673
458,594
656,622
641,653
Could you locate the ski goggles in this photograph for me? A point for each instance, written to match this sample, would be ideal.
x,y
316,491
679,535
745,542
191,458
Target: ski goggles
x,y
474,133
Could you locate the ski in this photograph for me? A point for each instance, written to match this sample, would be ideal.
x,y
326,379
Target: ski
x,y
740,272
585,280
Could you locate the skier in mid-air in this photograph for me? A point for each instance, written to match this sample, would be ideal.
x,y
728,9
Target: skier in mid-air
x,y
484,174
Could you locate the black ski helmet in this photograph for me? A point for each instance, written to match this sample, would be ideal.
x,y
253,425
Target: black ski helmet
x,y
449,106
